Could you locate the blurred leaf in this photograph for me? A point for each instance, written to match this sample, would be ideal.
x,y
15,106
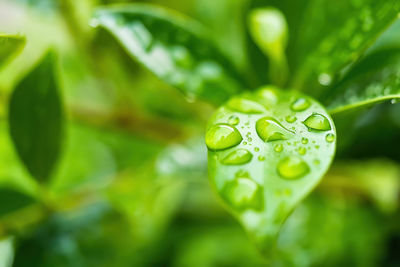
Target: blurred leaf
x,y
12,200
6,252
331,35
374,79
36,119
270,31
173,48
9,46
267,151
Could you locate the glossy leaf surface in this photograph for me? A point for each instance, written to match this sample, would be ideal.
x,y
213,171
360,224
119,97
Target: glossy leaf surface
x,y
36,119
267,151
172,47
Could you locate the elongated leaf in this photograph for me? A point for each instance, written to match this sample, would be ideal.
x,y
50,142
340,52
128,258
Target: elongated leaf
x,y
173,48
12,200
267,151
9,46
326,36
270,31
373,80
36,119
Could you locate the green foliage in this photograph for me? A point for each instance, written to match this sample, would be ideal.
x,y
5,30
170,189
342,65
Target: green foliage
x,y
36,119
9,46
172,47
267,151
127,180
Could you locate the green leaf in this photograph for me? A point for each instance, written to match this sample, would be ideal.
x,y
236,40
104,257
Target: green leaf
x,y
270,31
375,79
37,120
6,252
9,46
173,47
267,151
330,35
12,200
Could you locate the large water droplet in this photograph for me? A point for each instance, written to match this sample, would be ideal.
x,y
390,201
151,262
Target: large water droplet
x,y
233,120
237,157
300,104
244,105
222,136
317,122
243,193
269,129
292,167
330,138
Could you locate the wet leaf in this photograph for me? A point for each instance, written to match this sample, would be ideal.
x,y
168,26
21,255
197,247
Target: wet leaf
x,y
9,46
36,119
173,47
291,139
375,79
326,36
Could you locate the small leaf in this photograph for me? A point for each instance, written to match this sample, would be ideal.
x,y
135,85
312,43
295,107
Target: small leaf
x,y
375,79
291,148
36,119
9,46
270,31
12,200
172,47
6,251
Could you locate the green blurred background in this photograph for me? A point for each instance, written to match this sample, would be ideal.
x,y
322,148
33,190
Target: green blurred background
x,y
131,188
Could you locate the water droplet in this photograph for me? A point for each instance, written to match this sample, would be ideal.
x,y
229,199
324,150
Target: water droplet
x,y
292,167
237,157
278,148
261,158
256,149
325,79
222,136
302,150
268,95
181,56
250,139
394,101
330,138
243,193
304,140
269,129
291,119
300,104
244,105
233,120
244,143
317,147
317,122
316,162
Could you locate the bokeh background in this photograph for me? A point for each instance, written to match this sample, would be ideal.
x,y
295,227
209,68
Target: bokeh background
x,y
131,188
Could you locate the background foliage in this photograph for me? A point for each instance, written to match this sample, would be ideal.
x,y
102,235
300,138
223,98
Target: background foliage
x,y
125,176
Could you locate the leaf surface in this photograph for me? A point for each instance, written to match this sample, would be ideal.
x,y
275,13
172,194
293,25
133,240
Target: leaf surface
x,y
172,47
267,151
9,46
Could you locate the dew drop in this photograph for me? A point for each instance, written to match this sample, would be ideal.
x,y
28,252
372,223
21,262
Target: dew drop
x,y
237,157
291,119
256,149
302,150
245,106
243,193
292,167
325,79
278,148
304,141
233,120
222,136
317,122
300,104
181,56
261,158
269,129
268,95
330,138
